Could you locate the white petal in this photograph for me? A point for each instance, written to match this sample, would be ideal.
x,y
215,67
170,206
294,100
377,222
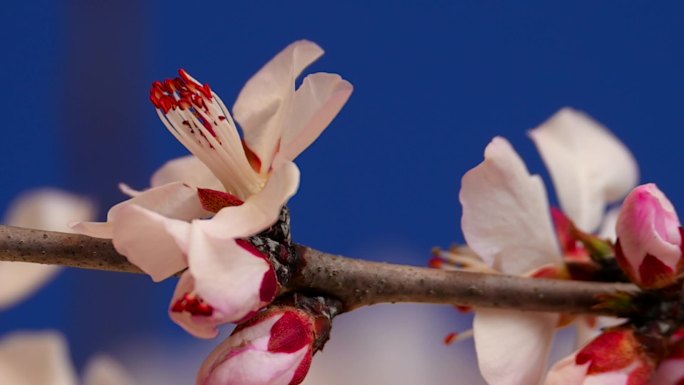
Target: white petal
x,y
189,170
259,211
35,358
589,166
104,370
265,101
227,276
198,326
607,230
18,280
94,229
174,200
513,347
315,105
49,209
151,241
506,218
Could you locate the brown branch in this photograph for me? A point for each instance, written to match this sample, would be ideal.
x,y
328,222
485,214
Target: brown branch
x,y
356,282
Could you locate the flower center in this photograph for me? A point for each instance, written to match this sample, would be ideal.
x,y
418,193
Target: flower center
x,y
197,117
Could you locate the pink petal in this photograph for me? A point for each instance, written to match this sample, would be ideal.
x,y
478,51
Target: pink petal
x,y
315,105
264,102
506,218
151,241
150,229
104,370
259,211
589,166
669,372
198,326
513,347
648,230
187,169
35,358
256,367
244,359
227,276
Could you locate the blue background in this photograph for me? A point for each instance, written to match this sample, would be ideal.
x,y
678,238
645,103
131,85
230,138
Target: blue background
x,y
433,84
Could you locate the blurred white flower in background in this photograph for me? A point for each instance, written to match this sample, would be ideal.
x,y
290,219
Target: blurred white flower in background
x,y
44,209
42,358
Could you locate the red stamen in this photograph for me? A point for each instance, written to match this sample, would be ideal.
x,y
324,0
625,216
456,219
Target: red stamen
x,y
450,338
436,262
192,304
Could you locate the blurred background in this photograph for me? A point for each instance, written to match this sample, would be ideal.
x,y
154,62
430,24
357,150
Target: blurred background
x,y
433,84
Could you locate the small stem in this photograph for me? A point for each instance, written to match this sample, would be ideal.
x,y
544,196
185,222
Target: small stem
x,y
355,282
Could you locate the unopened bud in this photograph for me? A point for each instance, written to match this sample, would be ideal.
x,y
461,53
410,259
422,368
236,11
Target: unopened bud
x,y
649,246
274,347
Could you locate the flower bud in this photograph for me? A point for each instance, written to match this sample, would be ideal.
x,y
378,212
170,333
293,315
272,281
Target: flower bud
x,y
649,246
616,357
671,369
274,347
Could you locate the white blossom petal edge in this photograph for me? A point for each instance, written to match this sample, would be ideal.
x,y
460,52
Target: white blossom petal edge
x,y
589,166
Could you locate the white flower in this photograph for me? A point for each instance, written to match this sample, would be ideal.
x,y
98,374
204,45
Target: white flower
x,y
506,221
243,181
46,209
42,358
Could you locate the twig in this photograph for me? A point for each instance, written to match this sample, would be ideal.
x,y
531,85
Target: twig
x,y
355,282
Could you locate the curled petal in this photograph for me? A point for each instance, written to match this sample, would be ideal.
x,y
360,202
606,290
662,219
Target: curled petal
x,y
513,347
187,169
589,166
315,105
259,211
227,276
506,217
265,101
35,358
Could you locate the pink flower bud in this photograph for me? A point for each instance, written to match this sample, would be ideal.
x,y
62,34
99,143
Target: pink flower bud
x,y
616,357
671,369
275,347
649,246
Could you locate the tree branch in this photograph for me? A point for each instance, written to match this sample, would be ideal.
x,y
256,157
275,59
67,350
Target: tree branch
x,y
355,282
